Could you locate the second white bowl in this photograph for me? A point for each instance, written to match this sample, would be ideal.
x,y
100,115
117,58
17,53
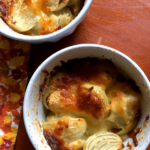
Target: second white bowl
x,y
53,37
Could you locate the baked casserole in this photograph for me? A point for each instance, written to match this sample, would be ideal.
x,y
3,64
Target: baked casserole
x,y
92,106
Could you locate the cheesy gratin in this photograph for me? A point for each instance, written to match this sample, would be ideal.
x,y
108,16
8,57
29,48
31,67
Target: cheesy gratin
x,y
92,106
39,17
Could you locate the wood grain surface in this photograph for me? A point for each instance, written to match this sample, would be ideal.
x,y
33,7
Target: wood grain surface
x,y
120,24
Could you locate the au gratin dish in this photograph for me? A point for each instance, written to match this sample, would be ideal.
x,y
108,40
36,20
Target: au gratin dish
x,y
91,106
39,17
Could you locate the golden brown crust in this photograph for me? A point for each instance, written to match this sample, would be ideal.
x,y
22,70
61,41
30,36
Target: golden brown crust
x,y
54,138
5,8
78,96
38,17
84,88
54,141
91,104
59,132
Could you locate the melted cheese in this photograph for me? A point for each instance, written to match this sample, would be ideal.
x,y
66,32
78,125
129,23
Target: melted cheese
x,y
86,103
124,104
93,90
67,132
38,17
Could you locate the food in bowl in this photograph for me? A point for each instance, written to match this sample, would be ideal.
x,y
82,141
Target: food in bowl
x,y
92,105
39,17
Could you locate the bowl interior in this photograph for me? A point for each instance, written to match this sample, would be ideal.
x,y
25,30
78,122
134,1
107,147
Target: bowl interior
x,y
33,108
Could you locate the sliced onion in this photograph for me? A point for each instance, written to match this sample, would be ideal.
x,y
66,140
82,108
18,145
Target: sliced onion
x,y
103,141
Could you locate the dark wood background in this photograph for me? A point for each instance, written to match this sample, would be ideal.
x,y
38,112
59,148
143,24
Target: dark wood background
x,y
120,24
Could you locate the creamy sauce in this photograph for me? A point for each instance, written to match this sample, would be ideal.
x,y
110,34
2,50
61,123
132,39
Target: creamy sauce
x,y
88,89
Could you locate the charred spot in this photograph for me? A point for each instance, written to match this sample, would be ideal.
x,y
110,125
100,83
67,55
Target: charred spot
x,y
89,103
47,99
61,1
72,10
146,118
91,88
56,142
43,85
109,67
134,86
45,71
133,135
80,70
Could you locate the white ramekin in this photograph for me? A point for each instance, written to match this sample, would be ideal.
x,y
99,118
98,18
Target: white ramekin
x,y
53,37
33,111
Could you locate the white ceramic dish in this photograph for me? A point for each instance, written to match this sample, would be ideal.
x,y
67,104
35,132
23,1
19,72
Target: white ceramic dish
x,y
53,37
33,111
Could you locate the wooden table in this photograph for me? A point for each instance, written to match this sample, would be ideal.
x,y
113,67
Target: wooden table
x,y
121,24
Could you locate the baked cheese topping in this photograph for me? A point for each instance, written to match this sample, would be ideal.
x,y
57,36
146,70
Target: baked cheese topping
x,y
39,17
91,99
